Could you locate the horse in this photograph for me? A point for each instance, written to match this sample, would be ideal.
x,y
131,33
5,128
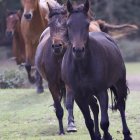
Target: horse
x,y
116,31
91,65
34,20
49,54
13,32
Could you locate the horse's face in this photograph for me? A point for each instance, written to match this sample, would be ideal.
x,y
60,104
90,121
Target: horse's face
x,y
11,22
78,28
58,28
29,7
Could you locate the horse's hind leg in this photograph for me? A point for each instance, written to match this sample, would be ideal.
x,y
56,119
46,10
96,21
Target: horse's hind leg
x,y
84,107
69,105
39,83
121,90
54,89
95,109
103,100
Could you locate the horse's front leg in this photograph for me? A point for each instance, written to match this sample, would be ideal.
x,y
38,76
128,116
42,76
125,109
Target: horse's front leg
x,y
54,89
103,100
39,83
95,109
29,61
69,105
82,102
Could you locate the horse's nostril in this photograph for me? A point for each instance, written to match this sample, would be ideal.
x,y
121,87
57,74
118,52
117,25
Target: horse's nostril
x,y
53,45
60,45
74,49
9,34
83,49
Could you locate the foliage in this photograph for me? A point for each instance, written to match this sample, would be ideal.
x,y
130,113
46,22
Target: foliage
x,y
130,50
11,79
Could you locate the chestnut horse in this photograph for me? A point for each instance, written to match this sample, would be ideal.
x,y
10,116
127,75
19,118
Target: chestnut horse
x,y
91,65
13,31
33,22
48,59
116,31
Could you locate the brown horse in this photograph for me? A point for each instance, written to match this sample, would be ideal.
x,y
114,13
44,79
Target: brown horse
x,y
13,31
91,65
116,31
48,59
33,22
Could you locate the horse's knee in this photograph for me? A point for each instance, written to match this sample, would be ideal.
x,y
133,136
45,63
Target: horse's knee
x,y
104,125
59,112
69,105
89,123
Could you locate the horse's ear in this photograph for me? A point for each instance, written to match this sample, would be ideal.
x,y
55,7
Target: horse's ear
x,y
50,8
69,6
86,6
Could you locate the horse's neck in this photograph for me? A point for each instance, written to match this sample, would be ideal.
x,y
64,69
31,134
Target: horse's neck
x,y
84,62
17,33
38,18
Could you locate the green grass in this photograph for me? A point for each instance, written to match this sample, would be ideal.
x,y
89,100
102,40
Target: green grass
x,y
25,115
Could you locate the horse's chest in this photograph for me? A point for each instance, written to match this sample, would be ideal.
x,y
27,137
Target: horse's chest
x,y
84,81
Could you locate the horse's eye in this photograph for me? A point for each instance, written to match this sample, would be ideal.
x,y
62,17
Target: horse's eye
x,y
87,24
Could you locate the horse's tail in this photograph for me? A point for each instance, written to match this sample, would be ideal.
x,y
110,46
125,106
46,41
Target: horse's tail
x,y
119,93
63,93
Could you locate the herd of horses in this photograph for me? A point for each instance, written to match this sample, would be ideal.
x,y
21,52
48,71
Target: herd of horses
x,y
77,58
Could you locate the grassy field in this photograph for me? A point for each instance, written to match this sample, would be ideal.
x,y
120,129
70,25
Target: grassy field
x,y
24,115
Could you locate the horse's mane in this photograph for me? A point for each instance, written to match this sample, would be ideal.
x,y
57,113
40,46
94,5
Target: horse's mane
x,y
53,3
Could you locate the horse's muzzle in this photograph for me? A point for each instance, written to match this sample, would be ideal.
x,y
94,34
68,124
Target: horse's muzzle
x,y
57,48
78,52
9,35
28,16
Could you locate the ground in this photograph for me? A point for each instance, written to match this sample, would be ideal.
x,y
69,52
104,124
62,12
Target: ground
x,y
25,115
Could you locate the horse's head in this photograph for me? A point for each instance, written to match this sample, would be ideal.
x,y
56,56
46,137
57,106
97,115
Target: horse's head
x,y
58,28
11,22
78,28
29,7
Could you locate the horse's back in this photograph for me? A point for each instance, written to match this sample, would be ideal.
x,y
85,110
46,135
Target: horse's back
x,y
107,55
104,42
41,47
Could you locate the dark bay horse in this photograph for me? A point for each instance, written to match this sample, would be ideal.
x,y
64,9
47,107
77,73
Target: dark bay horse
x,y
91,65
34,20
48,59
13,31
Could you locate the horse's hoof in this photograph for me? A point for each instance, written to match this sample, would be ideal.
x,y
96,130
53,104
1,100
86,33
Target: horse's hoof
x,y
128,138
61,133
40,90
107,137
71,128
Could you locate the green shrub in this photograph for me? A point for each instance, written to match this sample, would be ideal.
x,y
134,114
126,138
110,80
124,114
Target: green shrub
x,y
11,79
130,50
